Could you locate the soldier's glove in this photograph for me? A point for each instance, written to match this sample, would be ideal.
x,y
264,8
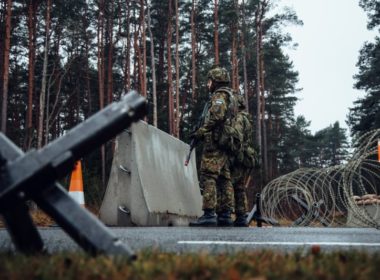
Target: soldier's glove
x,y
201,189
197,135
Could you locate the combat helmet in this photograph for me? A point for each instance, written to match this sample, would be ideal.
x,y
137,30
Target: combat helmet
x,y
218,74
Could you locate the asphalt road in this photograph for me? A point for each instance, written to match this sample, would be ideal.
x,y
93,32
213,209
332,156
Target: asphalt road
x,y
217,240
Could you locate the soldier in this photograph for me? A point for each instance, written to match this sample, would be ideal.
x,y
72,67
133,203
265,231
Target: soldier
x,y
242,162
214,171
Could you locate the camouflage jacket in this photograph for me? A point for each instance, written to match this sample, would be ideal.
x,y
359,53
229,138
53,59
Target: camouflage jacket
x,y
217,113
244,127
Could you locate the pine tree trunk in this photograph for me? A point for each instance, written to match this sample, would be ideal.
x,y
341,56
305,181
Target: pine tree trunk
x,y
100,38
270,145
140,65
44,78
258,78
193,52
110,55
3,13
261,124
235,47
32,7
87,50
7,45
170,74
135,48
101,54
127,67
177,112
244,56
138,58
143,47
234,61
216,31
262,70
245,76
276,133
265,141
153,68
47,122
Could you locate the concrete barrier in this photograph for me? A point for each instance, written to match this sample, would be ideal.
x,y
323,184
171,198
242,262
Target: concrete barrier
x,y
149,184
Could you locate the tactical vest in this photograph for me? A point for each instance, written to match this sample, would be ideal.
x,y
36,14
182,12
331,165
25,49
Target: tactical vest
x,y
229,138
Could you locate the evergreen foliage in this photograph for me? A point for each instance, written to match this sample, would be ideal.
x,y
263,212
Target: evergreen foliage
x,y
96,52
365,114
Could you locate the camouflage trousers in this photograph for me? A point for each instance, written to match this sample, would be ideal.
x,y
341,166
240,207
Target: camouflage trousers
x,y
215,181
239,175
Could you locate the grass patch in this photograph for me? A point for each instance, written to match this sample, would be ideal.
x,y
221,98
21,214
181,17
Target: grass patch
x,y
156,265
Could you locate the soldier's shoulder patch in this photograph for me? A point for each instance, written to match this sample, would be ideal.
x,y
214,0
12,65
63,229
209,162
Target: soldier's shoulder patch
x,y
219,101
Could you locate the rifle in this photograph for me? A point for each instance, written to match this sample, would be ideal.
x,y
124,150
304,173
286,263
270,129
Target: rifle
x,y
200,122
248,180
192,146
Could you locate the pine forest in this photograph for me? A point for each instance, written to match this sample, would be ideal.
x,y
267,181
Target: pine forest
x,y
62,61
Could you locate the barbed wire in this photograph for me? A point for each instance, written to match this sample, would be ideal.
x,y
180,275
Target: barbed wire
x,y
344,195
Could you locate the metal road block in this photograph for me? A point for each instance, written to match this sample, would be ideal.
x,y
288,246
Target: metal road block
x,y
255,214
33,175
311,213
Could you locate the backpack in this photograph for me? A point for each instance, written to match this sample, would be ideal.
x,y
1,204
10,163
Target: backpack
x,y
246,156
230,139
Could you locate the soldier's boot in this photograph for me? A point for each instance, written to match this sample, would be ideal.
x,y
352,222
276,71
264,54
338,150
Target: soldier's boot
x,y
207,220
224,219
241,220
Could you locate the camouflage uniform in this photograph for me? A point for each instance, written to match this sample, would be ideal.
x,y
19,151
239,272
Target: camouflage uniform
x,y
215,177
239,172
214,172
240,169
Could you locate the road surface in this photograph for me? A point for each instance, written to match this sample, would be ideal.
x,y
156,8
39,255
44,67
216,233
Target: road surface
x,y
218,240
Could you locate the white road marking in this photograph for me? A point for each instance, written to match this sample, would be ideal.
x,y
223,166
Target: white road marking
x,y
209,242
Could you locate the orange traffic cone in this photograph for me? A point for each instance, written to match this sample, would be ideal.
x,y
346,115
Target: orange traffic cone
x,y
378,150
76,184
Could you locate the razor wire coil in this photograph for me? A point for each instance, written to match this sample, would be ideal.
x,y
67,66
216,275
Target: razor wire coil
x,y
339,195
